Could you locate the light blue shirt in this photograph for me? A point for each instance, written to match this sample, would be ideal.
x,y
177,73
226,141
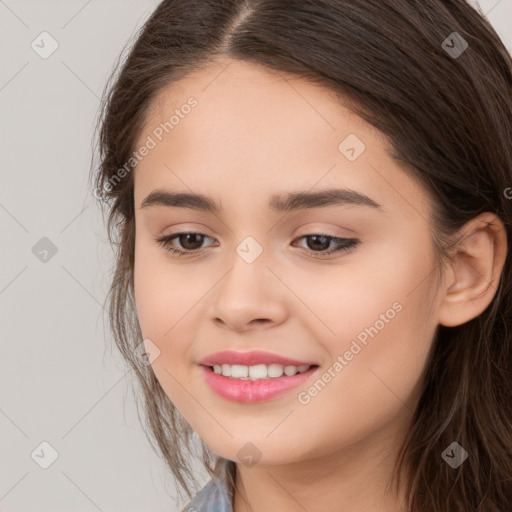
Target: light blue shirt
x,y
215,496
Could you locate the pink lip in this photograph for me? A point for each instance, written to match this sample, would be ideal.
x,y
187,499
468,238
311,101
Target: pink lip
x,y
251,358
249,391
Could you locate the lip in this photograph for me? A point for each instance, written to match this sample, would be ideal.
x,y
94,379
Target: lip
x,y
250,391
251,358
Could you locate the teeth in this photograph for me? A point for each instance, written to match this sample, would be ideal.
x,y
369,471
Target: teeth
x,y
290,370
238,370
256,372
275,370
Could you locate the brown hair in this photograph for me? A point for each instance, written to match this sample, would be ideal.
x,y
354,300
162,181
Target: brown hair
x,y
449,120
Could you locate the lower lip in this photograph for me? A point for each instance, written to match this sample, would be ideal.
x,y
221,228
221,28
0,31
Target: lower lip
x,y
250,391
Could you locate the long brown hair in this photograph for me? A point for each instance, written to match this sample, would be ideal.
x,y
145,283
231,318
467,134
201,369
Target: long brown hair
x,y
448,117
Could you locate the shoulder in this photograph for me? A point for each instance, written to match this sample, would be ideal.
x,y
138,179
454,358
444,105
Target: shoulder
x,y
213,497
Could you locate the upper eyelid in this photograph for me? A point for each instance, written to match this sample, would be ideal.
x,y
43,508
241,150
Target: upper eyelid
x,y
309,230
185,232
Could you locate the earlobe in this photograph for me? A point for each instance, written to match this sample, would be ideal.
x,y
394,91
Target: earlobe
x,y
474,270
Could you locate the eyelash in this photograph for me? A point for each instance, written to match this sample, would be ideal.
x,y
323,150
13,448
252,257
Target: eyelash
x,y
344,244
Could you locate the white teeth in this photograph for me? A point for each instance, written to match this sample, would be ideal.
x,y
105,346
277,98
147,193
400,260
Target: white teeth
x,y
290,370
258,371
239,370
275,370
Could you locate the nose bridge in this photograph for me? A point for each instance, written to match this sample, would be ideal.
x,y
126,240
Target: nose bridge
x,y
246,292
249,271
250,250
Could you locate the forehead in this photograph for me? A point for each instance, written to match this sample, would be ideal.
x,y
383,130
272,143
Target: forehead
x,y
234,95
254,131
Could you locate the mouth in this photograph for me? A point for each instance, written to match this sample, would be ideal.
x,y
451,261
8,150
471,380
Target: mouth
x,y
256,383
258,371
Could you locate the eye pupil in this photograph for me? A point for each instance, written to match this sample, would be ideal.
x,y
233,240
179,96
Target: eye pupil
x,y
323,245
185,238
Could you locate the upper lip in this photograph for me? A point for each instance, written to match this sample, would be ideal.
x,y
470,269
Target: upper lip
x,y
251,358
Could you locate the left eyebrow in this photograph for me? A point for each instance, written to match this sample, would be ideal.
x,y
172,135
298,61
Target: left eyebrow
x,y
321,199
278,203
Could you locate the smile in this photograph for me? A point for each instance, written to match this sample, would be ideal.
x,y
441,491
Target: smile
x,y
259,371
249,384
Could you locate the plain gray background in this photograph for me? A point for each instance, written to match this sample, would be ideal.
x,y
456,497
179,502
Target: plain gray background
x,y
60,382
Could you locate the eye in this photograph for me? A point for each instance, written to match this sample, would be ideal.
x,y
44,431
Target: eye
x,y
188,240
321,241
191,242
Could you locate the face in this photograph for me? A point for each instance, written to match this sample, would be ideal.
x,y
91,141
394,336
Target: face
x,y
345,285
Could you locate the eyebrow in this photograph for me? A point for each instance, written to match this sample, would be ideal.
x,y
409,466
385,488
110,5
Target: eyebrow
x,y
278,203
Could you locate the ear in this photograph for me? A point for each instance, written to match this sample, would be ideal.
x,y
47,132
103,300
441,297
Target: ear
x,y
474,270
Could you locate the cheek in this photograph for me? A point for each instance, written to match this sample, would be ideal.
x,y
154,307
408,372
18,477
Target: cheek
x,y
164,291
168,302
345,299
146,290
397,325
162,300
368,386
381,329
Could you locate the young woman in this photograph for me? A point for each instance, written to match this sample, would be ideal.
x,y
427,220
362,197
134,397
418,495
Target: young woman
x,y
311,203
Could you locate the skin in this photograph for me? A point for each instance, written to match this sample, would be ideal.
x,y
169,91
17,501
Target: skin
x,y
255,133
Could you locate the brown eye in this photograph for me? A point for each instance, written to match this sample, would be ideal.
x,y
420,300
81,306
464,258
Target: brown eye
x,y
319,243
189,241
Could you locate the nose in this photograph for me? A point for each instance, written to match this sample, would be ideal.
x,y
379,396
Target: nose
x,y
249,296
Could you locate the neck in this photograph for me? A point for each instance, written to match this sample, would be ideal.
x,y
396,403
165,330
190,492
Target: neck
x,y
355,478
